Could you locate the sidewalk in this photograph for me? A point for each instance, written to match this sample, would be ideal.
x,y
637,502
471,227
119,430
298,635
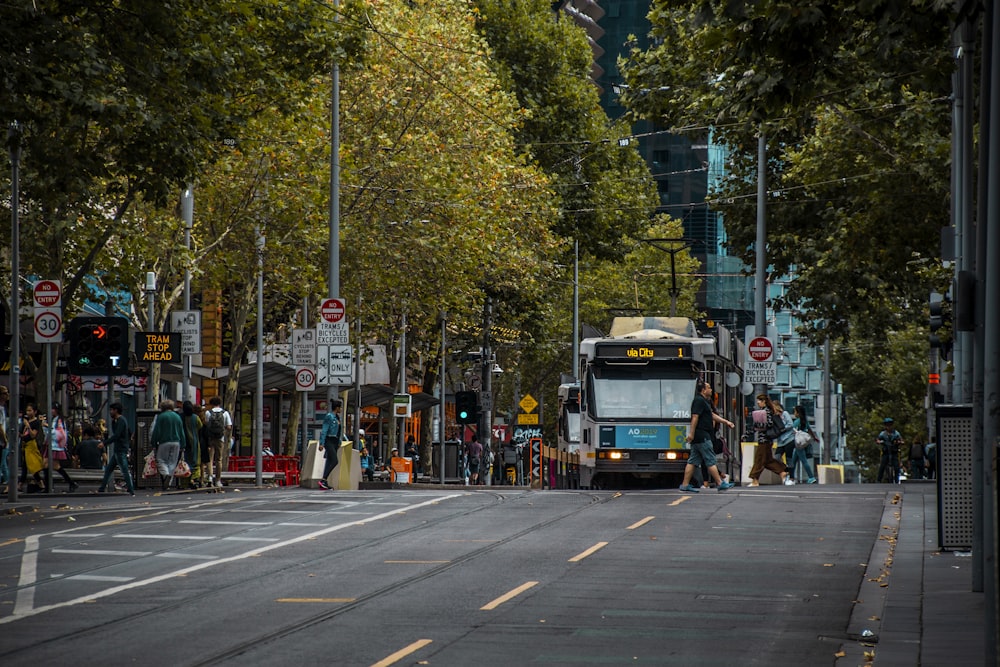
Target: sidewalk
x,y
930,616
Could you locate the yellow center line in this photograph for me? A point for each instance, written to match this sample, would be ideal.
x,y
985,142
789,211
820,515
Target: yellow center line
x,y
640,522
507,596
680,500
315,600
402,653
581,556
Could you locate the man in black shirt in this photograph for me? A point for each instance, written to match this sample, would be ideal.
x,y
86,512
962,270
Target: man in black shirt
x,y
703,421
90,451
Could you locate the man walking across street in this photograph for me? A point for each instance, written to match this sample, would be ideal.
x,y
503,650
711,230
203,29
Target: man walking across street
x,y
117,441
703,421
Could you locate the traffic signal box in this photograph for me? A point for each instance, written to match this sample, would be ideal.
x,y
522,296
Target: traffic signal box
x,y
466,407
98,345
940,324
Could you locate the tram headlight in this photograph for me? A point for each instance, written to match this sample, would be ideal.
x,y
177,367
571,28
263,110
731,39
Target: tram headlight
x,y
614,456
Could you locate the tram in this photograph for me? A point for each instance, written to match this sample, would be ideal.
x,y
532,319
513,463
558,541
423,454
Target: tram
x,y
569,417
634,399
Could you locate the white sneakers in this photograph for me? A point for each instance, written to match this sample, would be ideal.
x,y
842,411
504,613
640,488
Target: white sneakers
x,y
753,482
789,481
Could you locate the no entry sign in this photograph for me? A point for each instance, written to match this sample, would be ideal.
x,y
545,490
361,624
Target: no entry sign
x,y
332,310
47,293
761,349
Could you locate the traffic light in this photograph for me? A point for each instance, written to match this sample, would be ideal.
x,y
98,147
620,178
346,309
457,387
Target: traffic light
x,y
98,345
466,407
940,310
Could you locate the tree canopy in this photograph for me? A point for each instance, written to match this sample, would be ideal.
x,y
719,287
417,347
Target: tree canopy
x,y
853,99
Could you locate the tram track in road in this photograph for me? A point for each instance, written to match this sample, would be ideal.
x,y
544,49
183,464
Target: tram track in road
x,y
346,551
392,589
138,521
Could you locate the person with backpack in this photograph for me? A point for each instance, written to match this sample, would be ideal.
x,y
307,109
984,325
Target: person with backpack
x,y
218,430
768,429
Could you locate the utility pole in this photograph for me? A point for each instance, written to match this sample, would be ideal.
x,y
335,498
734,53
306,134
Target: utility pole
x,y
14,406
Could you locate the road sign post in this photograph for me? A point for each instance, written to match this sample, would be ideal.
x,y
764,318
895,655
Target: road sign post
x,y
47,295
761,367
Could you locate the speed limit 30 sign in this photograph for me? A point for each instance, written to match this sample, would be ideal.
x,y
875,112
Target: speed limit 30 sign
x,y
48,325
305,379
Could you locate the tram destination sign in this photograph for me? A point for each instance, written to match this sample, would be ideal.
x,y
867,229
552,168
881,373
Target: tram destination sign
x,y
640,352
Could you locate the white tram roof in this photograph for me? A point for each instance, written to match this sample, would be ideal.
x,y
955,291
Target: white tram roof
x,y
652,328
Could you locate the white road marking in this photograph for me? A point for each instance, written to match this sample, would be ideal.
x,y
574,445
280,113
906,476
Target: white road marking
x,y
26,595
137,536
97,577
250,539
29,575
101,552
174,554
227,523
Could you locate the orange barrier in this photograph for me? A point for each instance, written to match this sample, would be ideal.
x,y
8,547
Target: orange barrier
x,y
286,464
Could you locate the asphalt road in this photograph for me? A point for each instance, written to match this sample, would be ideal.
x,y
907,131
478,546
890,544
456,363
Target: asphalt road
x,y
442,576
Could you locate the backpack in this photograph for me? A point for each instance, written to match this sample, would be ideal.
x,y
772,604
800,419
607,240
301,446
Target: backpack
x,y
215,428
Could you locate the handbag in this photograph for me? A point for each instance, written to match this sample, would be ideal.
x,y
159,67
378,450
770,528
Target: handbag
x,y
32,457
182,469
149,468
802,439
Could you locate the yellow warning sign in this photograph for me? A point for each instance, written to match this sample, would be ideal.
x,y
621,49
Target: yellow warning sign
x,y
528,403
527,419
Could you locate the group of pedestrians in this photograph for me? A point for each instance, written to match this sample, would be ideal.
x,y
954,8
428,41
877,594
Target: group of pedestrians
x,y
195,439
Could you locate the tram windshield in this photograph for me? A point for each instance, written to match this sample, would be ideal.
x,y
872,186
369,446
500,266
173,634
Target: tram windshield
x,y
642,398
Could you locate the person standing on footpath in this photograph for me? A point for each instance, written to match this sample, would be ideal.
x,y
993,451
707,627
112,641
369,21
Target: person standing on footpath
x,y
802,454
703,421
117,441
785,448
32,425
766,432
4,449
918,460
166,437
59,442
192,443
889,442
329,441
218,431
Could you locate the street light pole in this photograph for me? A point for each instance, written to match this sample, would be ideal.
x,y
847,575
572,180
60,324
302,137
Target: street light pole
x,y
187,213
14,406
760,247
150,324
